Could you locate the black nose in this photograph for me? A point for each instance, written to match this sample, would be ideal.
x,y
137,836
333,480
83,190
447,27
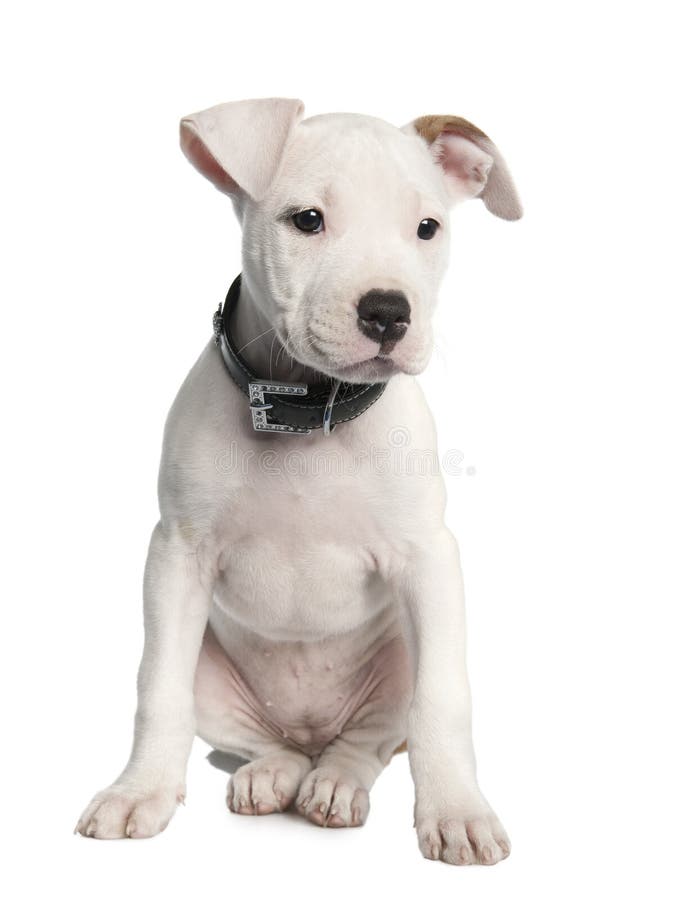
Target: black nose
x,y
384,317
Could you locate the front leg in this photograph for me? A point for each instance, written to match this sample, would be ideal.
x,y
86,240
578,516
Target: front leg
x,y
177,591
453,820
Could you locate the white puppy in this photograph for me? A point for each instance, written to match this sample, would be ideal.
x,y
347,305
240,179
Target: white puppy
x,y
303,596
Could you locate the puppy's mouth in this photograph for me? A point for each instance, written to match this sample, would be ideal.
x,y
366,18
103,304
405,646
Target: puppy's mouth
x,y
356,359
376,368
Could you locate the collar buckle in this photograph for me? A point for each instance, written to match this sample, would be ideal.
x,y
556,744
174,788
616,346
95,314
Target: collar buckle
x,y
259,408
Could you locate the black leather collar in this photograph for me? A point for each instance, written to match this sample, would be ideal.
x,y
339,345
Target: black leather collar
x,y
290,407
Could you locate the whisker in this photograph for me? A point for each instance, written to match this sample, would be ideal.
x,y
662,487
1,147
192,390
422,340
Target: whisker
x,y
263,333
280,352
270,368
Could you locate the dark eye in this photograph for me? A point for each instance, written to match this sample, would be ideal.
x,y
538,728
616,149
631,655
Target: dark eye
x,y
427,229
308,220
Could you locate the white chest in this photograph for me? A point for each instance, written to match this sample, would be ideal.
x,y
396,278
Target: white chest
x,y
306,557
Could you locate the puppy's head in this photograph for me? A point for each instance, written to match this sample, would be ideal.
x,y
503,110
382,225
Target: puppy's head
x,y
346,223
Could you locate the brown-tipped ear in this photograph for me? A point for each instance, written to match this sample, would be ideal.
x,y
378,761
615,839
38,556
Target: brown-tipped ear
x,y
471,162
239,146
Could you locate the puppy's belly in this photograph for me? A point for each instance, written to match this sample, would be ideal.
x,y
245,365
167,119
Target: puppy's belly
x,y
302,693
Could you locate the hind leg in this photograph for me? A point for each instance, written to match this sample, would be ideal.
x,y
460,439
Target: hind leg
x,y
336,792
268,784
227,719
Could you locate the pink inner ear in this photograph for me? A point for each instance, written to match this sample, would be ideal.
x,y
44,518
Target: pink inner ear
x,y
200,157
466,166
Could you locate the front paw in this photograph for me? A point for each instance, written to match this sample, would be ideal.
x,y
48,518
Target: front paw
x,y
462,834
123,811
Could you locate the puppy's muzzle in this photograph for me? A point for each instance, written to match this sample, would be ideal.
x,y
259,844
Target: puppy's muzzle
x,y
384,317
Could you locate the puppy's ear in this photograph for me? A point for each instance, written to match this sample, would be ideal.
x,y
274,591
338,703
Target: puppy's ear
x,y
239,146
471,162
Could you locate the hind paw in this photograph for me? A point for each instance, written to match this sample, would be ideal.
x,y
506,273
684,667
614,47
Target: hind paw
x,y
266,785
332,798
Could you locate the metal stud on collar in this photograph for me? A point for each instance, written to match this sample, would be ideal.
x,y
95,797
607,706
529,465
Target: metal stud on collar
x,y
217,324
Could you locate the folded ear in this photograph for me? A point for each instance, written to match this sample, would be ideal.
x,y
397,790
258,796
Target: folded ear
x,y
239,146
471,162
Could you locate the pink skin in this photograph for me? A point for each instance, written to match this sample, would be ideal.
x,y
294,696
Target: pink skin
x,y
306,706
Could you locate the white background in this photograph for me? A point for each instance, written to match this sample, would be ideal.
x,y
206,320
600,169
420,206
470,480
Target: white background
x,y
565,337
